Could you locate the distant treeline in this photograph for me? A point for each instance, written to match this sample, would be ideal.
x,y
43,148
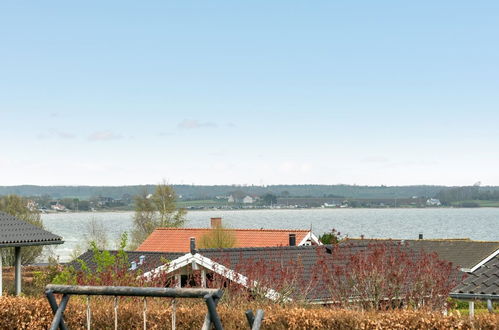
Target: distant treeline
x,y
193,192
468,193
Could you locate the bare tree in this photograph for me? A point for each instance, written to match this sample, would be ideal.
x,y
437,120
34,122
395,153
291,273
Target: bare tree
x,y
218,237
95,232
155,210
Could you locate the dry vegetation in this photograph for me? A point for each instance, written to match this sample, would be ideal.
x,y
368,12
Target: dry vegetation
x,y
415,288
34,313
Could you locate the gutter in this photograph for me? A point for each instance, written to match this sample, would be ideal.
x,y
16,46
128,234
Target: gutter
x,y
474,296
6,245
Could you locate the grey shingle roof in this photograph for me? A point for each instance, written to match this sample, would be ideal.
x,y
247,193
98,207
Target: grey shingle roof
x,y
304,260
16,232
464,253
482,282
152,260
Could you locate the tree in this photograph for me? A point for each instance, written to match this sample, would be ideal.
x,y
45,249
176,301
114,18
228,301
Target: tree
x,y
218,238
18,207
285,193
269,199
156,210
83,205
333,237
95,233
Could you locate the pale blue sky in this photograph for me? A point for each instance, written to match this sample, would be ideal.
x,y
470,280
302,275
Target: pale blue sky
x,y
260,92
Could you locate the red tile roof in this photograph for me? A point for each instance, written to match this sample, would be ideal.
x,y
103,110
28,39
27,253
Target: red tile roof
x,y
178,239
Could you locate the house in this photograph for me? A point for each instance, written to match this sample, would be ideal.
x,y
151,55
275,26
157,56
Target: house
x,y
462,252
248,200
241,197
140,261
279,273
177,239
481,284
58,207
433,202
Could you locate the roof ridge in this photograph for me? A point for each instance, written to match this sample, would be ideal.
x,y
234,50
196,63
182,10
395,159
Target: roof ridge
x,y
468,240
138,252
239,229
263,248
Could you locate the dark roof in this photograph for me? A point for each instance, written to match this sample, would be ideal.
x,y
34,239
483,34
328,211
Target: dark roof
x,y
307,255
152,260
17,232
464,253
304,260
278,267
482,283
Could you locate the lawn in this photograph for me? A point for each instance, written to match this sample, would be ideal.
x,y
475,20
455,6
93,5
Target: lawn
x,y
479,203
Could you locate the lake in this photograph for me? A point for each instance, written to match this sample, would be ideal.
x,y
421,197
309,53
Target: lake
x,y
475,223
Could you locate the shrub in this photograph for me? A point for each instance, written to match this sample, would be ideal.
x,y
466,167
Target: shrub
x,y
35,313
386,276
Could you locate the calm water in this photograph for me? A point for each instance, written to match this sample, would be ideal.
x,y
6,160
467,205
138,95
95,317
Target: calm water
x,y
477,224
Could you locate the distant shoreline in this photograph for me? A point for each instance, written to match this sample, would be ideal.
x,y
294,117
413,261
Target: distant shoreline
x,y
285,209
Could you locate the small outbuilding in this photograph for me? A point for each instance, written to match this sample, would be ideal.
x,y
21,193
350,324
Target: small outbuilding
x,y
481,284
18,233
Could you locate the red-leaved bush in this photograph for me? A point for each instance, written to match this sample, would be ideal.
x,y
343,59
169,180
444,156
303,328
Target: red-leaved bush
x,y
369,276
374,276
386,275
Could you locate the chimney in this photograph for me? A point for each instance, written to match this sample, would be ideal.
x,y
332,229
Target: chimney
x,y
292,239
216,222
420,235
193,245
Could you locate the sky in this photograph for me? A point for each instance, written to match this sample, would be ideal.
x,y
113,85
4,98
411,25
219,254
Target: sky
x,y
249,92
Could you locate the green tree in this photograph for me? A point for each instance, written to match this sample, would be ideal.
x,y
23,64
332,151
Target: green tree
x,y
217,238
269,199
333,237
18,207
83,205
155,210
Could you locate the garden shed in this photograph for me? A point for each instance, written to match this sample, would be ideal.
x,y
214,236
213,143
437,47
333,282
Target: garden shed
x,y
482,284
16,233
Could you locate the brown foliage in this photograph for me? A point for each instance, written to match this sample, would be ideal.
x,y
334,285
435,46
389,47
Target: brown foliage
x,y
34,313
381,276
387,276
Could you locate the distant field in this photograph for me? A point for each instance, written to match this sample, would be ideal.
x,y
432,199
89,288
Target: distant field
x,y
201,203
480,203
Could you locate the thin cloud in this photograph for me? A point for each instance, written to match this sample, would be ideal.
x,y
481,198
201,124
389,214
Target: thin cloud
x,y
194,124
65,135
165,134
104,136
375,159
56,134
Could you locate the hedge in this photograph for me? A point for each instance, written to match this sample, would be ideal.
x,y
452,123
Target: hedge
x,y
34,313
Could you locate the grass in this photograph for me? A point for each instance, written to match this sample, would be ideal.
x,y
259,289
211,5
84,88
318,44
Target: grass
x,y
480,203
201,203
466,312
